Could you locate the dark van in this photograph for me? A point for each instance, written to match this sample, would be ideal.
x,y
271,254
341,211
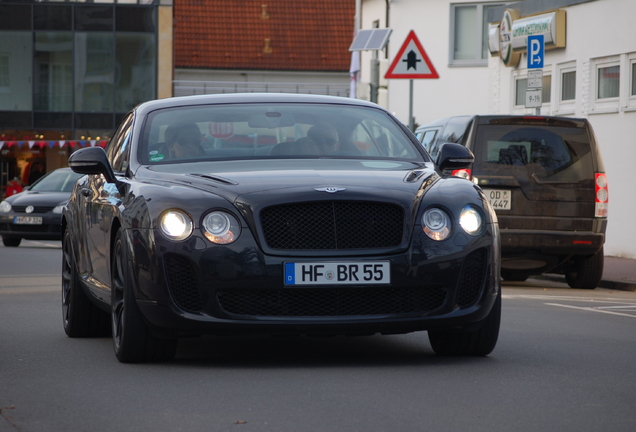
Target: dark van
x,y
545,178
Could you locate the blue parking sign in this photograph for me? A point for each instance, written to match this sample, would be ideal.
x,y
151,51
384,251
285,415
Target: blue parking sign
x,y
535,50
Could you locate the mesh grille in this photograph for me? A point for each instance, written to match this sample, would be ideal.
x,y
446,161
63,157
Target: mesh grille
x,y
336,225
471,280
183,284
331,302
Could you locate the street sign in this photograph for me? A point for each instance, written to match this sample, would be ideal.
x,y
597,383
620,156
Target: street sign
x,y
411,61
536,50
533,98
535,78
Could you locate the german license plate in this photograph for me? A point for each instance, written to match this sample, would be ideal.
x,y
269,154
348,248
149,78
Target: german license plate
x,y
499,199
27,220
338,273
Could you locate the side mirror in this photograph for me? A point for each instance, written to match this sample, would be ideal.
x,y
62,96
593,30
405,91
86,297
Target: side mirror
x,y
92,160
454,156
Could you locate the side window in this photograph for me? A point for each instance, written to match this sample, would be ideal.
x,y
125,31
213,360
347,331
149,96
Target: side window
x,y
118,148
428,137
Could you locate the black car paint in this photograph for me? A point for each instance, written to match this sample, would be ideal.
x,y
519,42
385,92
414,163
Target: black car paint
x,y
137,196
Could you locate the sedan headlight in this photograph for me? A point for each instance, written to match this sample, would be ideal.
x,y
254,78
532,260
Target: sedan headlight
x,y
471,221
436,224
5,207
58,209
176,224
221,227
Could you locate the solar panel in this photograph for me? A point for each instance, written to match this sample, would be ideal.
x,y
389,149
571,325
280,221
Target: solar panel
x,y
369,40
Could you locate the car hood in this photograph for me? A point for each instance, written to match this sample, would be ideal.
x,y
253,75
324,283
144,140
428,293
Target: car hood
x,y
232,179
47,199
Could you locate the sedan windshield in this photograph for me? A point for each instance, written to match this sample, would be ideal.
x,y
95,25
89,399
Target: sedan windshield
x,y
56,181
296,130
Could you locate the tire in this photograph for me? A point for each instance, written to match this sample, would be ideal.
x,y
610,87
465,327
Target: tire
x,y
11,241
513,276
132,340
586,273
469,343
81,318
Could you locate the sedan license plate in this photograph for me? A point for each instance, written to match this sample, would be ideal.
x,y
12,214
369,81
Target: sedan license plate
x,y
338,273
499,199
27,220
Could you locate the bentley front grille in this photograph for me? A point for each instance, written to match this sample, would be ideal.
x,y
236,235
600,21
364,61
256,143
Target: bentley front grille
x,y
333,225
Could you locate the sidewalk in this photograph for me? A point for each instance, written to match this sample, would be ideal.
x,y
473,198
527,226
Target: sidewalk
x,y
618,274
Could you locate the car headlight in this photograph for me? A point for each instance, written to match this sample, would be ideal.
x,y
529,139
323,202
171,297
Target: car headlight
x,y
5,207
58,209
221,227
471,221
436,224
175,224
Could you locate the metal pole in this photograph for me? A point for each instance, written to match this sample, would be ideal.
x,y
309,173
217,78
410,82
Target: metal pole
x,y
411,119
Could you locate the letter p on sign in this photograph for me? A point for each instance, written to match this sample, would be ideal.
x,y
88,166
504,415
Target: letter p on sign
x,y
536,48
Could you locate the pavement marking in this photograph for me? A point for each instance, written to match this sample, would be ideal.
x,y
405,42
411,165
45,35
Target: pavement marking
x,y
20,284
592,309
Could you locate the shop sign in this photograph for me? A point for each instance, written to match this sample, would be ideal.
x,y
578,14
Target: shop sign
x,y
509,38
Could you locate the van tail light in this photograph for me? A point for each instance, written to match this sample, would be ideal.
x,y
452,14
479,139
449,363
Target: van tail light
x,y
463,173
602,195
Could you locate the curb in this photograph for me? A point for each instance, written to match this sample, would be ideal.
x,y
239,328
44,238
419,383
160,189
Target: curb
x,y
608,284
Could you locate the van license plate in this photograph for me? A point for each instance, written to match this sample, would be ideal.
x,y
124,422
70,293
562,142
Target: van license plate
x,y
499,199
338,273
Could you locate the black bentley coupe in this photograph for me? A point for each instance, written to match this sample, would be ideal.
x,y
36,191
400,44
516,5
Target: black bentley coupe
x,y
275,214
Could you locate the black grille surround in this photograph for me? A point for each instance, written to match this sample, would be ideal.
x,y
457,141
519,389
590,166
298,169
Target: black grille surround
x,y
333,225
36,209
331,302
182,283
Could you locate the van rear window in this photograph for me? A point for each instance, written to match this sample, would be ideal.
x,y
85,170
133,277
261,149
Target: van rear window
x,y
555,153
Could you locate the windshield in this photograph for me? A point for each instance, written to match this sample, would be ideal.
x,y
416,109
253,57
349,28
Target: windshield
x,y
56,181
254,131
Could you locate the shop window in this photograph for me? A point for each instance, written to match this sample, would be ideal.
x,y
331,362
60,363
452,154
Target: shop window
x,y
16,70
469,34
94,71
5,82
53,87
136,65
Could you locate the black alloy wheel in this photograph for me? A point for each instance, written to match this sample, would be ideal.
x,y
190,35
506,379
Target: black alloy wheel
x,y
132,340
81,318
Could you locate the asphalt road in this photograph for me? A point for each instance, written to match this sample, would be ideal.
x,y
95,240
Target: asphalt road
x,y
564,362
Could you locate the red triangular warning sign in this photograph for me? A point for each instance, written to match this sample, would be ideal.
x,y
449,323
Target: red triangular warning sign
x,y
411,61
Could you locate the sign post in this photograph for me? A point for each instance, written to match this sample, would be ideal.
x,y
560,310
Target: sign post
x,y
536,54
411,62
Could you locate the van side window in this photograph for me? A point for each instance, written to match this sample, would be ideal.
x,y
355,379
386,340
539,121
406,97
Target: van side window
x,y
428,137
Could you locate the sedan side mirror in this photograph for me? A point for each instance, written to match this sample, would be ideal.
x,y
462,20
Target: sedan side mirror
x,y
92,160
454,156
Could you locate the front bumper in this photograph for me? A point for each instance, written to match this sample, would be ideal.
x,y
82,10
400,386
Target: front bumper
x,y
49,229
191,289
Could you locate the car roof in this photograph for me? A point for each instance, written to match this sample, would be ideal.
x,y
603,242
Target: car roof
x,y
234,98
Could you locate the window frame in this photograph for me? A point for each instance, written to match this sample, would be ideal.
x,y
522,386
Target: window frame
x,y
481,37
567,106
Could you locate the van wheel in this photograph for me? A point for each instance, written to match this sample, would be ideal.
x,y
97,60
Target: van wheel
x,y
586,273
11,241
473,343
513,276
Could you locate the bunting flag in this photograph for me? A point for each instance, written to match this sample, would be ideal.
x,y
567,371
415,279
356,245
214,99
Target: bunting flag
x,y
51,144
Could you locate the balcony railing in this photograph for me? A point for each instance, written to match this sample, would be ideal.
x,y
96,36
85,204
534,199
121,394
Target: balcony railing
x,y
188,88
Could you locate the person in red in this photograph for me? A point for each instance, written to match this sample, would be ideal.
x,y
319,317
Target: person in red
x,y
13,187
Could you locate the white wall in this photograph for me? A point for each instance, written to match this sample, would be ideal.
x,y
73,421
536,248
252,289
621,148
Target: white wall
x,y
596,31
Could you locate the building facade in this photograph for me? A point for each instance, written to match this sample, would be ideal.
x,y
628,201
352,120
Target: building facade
x,y
70,70
590,72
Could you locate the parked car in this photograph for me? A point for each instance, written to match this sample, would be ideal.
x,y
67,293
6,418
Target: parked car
x,y
545,178
275,214
36,213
